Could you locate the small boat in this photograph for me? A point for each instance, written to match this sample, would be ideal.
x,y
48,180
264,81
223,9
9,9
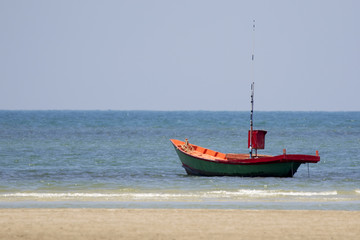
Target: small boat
x,y
205,162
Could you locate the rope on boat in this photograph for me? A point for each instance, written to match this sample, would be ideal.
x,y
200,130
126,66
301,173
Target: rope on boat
x,y
187,147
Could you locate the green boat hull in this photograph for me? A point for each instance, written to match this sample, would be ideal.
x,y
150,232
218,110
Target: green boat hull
x,y
201,167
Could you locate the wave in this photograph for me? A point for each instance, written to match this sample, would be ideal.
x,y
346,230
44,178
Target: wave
x,y
242,194
267,193
59,195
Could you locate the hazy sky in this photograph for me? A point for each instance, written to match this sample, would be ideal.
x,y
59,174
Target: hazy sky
x,y
179,55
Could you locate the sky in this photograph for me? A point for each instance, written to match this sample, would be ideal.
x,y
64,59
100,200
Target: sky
x,y
179,55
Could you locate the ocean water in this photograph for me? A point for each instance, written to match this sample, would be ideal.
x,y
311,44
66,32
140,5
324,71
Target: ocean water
x,y
124,159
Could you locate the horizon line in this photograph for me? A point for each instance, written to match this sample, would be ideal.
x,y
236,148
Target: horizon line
x,y
183,110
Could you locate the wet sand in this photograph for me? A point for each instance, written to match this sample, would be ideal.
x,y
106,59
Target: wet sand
x,y
177,224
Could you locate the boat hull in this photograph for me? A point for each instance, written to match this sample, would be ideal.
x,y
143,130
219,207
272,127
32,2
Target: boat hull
x,y
267,166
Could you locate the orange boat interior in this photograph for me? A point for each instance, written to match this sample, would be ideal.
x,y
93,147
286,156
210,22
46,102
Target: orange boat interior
x,y
206,153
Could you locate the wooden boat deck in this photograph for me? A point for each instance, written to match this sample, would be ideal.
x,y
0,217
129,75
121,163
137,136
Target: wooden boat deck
x,y
211,155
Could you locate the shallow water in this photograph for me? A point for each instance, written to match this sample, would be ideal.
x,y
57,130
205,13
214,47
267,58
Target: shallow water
x,y
125,159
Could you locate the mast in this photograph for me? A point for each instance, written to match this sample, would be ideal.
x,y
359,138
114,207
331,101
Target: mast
x,y
252,93
251,119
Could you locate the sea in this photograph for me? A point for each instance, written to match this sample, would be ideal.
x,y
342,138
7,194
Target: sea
x,y
124,159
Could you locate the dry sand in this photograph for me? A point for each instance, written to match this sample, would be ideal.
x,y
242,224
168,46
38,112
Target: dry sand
x,y
177,224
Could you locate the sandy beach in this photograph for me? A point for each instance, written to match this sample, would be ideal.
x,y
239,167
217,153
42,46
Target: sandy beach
x,y
177,224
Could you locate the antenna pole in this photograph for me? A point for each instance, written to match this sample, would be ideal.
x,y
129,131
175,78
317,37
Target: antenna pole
x,y
252,93
251,119
253,53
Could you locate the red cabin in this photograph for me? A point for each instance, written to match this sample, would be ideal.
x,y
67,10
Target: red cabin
x,y
258,139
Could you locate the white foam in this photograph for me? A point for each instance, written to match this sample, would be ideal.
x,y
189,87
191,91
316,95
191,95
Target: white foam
x,y
269,193
152,196
59,195
200,195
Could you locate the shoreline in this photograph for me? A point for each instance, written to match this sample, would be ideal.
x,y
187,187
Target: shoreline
x,y
103,223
